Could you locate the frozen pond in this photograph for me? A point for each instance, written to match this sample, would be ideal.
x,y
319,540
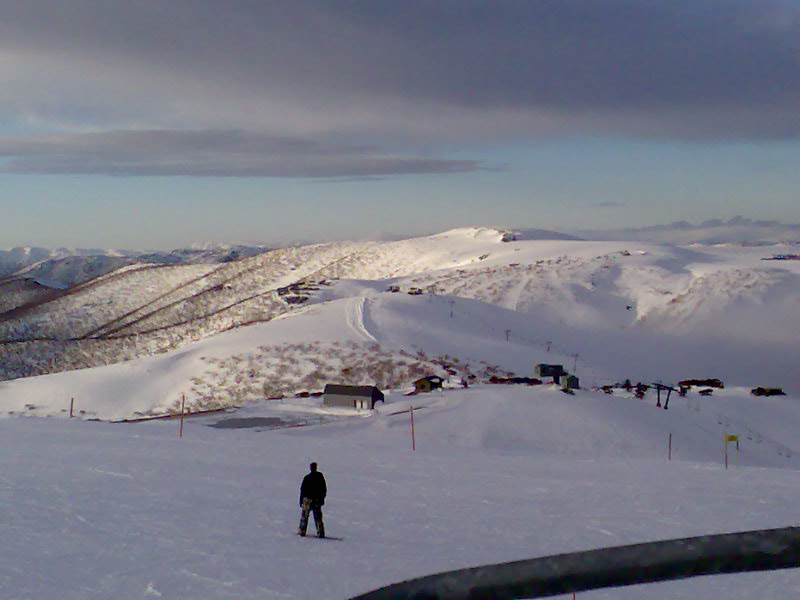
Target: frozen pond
x,y
281,422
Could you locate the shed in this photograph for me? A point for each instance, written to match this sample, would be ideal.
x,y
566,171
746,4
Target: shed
x,y
351,396
428,384
554,371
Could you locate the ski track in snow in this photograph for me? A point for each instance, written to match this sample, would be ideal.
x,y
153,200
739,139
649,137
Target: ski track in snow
x,y
356,315
515,298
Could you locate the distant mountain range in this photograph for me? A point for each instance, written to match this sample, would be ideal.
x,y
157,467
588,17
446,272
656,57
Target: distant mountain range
x,y
738,230
64,267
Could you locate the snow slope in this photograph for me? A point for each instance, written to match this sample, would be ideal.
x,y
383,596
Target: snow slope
x,y
393,321
99,510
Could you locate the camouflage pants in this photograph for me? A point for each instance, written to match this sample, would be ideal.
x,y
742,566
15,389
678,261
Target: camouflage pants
x,y
311,506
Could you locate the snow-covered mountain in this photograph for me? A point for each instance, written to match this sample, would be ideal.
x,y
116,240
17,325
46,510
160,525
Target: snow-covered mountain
x,y
15,259
61,268
496,472
475,298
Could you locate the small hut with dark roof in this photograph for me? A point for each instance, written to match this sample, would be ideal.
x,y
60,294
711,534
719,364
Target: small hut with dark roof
x,y
428,384
351,396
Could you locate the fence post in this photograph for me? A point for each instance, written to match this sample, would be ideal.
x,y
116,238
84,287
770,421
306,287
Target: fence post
x,y
726,455
413,437
731,438
183,403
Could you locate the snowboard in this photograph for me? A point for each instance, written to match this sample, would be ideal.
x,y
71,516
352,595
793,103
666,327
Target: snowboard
x,y
327,537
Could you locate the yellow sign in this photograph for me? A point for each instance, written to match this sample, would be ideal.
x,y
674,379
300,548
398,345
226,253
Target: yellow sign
x,y
731,438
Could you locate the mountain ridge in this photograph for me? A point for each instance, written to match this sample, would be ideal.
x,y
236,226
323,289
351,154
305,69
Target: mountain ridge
x,y
610,310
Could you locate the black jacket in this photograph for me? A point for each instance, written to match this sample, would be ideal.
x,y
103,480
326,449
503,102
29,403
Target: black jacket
x,y
313,487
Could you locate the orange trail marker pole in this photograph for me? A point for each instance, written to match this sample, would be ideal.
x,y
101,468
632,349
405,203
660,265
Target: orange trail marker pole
x,y
731,438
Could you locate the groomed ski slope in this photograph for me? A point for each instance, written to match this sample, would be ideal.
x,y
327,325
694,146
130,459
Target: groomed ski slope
x,y
155,384
471,331
99,510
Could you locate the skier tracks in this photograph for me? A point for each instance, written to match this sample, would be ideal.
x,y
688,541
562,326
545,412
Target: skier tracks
x,y
355,314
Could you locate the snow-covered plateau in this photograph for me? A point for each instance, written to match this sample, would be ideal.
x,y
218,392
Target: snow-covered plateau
x,y
104,505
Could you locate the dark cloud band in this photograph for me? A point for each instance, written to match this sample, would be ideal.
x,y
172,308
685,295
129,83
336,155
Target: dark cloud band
x,y
414,71
209,154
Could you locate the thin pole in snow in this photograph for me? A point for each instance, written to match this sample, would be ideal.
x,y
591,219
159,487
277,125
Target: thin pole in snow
x,y
731,438
726,456
413,437
669,452
71,407
183,403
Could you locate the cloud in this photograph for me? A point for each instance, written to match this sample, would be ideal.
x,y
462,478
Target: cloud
x,y
608,205
209,153
417,74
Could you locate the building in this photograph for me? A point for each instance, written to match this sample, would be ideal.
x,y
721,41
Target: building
x,y
554,371
428,384
351,396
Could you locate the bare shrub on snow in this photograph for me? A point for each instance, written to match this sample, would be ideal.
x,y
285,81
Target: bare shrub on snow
x,y
288,369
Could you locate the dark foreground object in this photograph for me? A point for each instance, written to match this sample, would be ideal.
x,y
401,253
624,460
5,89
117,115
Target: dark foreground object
x,y
606,567
327,537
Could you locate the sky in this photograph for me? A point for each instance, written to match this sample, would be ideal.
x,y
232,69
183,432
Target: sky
x,y
134,124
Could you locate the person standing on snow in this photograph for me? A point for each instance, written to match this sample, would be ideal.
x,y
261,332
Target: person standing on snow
x,y
312,496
